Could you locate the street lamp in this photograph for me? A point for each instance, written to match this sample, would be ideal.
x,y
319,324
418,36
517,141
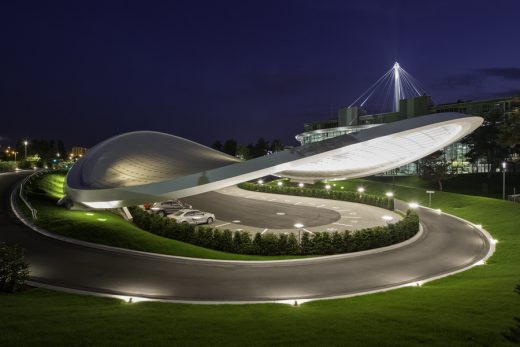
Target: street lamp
x,y
280,183
361,190
25,144
260,181
503,180
389,194
300,185
299,226
413,205
327,186
430,192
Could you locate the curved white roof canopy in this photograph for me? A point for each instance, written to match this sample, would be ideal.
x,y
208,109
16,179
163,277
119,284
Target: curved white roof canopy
x,y
141,167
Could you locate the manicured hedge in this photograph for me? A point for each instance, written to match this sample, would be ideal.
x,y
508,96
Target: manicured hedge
x,y
367,199
279,244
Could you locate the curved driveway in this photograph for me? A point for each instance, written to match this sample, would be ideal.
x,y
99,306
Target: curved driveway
x,y
448,244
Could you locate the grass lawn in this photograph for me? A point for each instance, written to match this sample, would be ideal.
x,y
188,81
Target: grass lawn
x,y
110,229
472,308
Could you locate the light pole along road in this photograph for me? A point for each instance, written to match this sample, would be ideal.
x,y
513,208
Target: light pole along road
x,y
447,244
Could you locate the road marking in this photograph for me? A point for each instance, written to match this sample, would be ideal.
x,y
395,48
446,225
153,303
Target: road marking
x,y
221,225
280,213
299,202
345,225
235,221
264,231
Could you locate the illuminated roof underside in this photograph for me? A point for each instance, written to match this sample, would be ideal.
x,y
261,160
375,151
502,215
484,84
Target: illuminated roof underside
x,y
141,167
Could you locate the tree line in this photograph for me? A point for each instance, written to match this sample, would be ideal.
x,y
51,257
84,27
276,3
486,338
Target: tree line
x,y
249,151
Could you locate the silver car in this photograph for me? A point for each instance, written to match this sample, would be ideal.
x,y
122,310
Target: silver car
x,y
166,207
192,217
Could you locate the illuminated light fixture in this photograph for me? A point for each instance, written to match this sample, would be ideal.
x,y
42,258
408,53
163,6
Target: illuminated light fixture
x,y
299,225
260,181
342,187
439,211
413,205
102,219
327,186
300,185
361,190
89,214
503,165
387,218
280,183
389,194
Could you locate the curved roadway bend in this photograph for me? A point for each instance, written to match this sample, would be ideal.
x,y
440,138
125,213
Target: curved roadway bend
x,y
448,244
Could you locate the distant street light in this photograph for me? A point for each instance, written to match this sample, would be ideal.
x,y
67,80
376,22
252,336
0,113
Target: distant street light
x,y
299,226
25,144
361,190
280,183
389,194
300,185
413,205
260,182
504,180
327,186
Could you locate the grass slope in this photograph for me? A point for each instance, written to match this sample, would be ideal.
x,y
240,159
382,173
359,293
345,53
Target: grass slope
x,y
111,229
472,308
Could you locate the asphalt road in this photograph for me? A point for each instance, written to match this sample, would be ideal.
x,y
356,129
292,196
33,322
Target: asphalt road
x,y
261,214
448,244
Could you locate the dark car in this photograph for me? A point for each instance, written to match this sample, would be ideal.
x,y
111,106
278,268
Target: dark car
x,y
167,207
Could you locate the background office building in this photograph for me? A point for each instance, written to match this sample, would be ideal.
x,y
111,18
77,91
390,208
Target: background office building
x,y
353,119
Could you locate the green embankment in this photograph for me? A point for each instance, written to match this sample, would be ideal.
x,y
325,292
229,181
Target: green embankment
x,y
111,229
472,308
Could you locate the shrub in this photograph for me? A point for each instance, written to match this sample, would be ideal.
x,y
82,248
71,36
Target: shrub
x,y
14,271
367,199
279,244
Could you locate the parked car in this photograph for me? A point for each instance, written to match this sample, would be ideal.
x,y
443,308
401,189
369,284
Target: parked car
x,y
193,217
167,207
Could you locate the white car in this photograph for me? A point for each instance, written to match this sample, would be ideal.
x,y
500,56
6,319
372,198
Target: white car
x,y
192,217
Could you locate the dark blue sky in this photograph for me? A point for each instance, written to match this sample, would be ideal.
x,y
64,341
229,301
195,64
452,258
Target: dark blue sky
x,y
206,70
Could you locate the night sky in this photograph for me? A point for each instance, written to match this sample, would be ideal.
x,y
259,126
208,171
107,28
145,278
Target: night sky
x,y
206,70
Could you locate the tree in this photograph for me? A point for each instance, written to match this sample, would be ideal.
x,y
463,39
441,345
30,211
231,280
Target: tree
x,y
509,135
276,146
14,271
434,167
230,147
260,148
217,145
483,142
243,153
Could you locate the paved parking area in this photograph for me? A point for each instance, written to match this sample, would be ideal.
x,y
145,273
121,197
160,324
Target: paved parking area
x,y
238,209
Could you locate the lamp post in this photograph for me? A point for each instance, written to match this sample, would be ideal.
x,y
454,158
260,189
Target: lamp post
x,y
430,192
299,226
503,180
25,144
389,195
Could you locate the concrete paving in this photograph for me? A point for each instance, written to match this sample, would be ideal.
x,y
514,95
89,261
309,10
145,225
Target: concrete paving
x,y
238,209
448,244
